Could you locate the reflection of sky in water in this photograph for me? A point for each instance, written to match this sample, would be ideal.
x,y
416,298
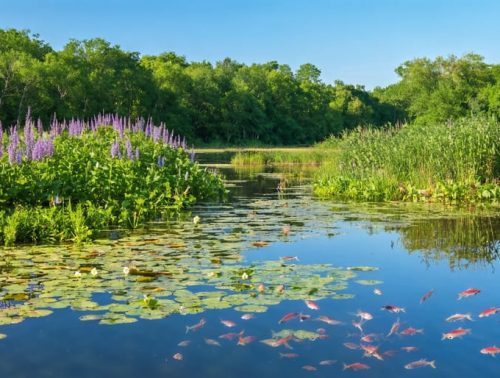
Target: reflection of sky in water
x,y
62,345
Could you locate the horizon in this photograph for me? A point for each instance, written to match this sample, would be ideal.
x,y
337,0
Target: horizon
x,y
385,35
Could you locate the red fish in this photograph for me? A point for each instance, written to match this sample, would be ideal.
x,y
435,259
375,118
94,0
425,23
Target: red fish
x,y
426,296
394,328
393,309
356,366
420,363
327,320
368,338
490,350
312,305
309,368
459,332
411,331
230,336
455,317
278,342
245,340
288,317
371,351
468,293
197,326
289,258
489,311
228,323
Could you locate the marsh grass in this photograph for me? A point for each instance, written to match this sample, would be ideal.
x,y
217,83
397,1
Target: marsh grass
x,y
279,157
457,161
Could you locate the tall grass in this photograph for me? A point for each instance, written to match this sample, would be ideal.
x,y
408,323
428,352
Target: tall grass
x,y
276,157
454,161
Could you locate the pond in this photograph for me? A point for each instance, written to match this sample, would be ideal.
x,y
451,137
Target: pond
x,y
272,282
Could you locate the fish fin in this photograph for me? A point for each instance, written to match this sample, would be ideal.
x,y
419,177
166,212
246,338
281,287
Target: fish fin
x,y
288,346
443,337
432,364
187,329
345,366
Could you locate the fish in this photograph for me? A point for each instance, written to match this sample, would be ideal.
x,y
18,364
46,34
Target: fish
x,y
321,331
244,340
230,336
489,311
409,349
426,296
260,243
327,362
309,368
393,309
390,353
358,325
327,320
364,315
279,289
459,332
303,317
277,342
356,366
369,338
377,291
410,331
288,317
492,350
288,355
212,342
351,346
178,357
228,323
184,343
247,316
420,363
289,258
468,293
196,326
394,328
261,288
312,305
285,230
455,317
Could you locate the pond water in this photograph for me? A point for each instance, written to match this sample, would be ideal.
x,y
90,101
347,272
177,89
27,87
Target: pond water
x,y
156,303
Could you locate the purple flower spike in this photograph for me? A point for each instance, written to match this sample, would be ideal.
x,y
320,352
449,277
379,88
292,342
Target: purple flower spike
x,y
128,146
115,150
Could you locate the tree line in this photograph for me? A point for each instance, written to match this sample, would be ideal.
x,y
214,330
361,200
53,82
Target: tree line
x,y
229,102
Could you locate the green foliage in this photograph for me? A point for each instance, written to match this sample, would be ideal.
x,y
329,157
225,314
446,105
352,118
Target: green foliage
x,y
82,188
299,156
458,161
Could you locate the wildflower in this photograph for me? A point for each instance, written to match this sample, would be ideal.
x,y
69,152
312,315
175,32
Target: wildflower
x,y
78,273
93,272
244,276
126,270
115,150
128,147
196,219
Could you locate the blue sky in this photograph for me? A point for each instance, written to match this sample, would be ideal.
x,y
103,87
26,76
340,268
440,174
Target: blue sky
x,y
357,41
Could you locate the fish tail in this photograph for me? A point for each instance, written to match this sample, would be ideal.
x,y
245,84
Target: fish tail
x,y
188,328
288,346
469,317
432,364
345,366
443,337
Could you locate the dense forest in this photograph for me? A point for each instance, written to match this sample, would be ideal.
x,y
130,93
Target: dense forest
x,y
230,102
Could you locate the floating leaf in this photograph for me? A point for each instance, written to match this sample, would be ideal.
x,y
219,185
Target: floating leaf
x,y
369,282
363,268
251,308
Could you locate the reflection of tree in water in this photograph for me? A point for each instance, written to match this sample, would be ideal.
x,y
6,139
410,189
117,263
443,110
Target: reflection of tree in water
x,y
464,241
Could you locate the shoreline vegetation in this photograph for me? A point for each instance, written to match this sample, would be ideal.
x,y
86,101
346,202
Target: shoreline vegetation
x,y
78,178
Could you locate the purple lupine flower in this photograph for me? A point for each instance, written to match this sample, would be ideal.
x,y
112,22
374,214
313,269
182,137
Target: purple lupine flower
x,y
39,127
128,146
29,139
137,153
43,148
115,150
19,157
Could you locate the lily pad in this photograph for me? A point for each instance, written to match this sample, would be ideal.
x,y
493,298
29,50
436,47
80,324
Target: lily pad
x,y
369,282
251,308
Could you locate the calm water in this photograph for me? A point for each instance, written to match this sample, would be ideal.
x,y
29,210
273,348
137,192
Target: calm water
x,y
103,322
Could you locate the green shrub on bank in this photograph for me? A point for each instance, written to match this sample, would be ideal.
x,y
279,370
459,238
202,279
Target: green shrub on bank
x,y
458,161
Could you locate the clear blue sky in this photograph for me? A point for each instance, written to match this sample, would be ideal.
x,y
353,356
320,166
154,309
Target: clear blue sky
x,y
357,41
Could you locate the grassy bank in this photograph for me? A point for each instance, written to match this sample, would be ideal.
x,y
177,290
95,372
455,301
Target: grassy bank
x,y
275,157
77,178
455,162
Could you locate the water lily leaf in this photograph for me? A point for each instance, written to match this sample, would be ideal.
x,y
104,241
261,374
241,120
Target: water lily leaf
x,y
251,308
90,317
369,282
2,336
343,296
363,268
117,320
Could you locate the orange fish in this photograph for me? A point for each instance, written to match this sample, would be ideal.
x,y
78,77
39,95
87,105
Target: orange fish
x,y
260,244
228,323
247,316
230,336
212,342
289,258
288,317
411,331
312,305
489,311
184,343
327,320
459,332
197,326
490,350
468,293
245,340
364,315
356,366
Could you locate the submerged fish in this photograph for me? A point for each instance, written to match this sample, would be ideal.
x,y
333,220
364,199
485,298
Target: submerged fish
x,y
492,350
289,258
303,317
309,368
288,355
377,291
184,343
288,317
247,316
394,328
327,362
356,366
420,363
459,332
410,331
364,315
489,311
212,342
456,317
468,293
228,323
312,305
327,320
358,325
393,309
178,357
278,342
409,349
246,340
230,336
351,346
197,326
427,296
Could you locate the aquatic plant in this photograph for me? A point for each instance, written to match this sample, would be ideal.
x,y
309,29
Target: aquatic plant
x,y
72,180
